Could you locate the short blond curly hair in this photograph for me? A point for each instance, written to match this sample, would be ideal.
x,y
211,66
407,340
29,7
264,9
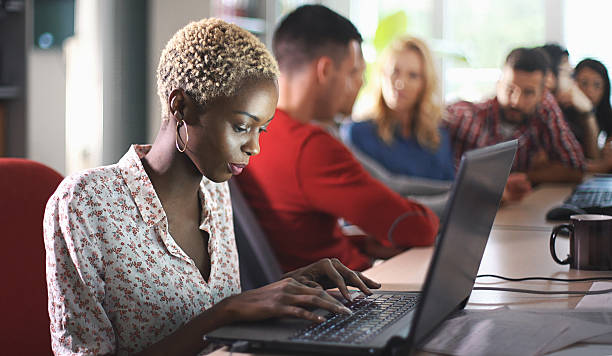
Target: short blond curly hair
x,y
211,58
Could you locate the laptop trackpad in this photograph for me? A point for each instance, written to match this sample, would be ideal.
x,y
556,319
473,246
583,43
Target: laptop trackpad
x,y
267,330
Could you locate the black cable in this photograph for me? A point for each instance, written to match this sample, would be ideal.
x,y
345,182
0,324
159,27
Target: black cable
x,y
530,291
546,278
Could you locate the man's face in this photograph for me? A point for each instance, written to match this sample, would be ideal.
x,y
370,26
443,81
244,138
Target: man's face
x,y
355,81
333,93
519,93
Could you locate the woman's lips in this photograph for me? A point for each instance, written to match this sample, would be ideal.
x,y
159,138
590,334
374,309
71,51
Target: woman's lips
x,y
236,168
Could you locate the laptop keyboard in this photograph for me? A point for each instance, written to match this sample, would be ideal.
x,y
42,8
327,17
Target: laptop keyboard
x,y
371,315
591,198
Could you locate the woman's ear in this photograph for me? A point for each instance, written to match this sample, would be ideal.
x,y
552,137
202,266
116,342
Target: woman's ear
x,y
176,104
182,107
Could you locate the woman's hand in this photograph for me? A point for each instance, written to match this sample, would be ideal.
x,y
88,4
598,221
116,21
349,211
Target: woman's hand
x,y
285,298
331,273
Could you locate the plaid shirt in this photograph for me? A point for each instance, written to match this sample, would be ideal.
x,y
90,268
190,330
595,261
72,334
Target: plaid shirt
x,y
478,125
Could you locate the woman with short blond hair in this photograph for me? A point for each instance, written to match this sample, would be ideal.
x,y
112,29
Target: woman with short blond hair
x,y
140,255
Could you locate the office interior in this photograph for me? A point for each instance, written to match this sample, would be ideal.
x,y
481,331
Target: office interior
x,y
77,78
78,87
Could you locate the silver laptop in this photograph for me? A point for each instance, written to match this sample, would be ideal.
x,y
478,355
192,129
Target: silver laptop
x,y
393,322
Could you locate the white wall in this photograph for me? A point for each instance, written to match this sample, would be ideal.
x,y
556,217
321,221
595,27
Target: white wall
x,y
46,108
46,89
165,18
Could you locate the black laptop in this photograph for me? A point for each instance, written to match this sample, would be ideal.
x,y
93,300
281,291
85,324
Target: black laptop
x,y
392,322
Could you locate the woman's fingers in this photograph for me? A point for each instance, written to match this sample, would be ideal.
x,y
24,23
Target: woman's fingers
x,y
308,282
369,282
331,272
299,288
355,279
317,301
298,312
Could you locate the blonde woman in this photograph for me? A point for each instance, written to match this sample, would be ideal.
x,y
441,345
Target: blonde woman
x,y
403,138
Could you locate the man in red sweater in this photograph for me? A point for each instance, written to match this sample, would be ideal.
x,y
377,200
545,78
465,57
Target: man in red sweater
x,y
305,179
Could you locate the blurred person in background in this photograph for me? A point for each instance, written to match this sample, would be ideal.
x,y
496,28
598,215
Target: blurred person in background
x,y
523,109
308,179
576,107
402,143
592,78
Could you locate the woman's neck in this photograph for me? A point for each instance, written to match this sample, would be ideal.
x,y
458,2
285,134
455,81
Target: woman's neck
x,y
172,173
404,119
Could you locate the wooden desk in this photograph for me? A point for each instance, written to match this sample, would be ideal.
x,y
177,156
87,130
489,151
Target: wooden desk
x,y
510,253
530,214
517,247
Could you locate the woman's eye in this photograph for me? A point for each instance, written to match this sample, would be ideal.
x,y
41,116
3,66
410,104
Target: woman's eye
x,y
240,128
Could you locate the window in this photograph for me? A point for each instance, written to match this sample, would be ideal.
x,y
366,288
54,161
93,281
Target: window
x,y
587,30
469,37
485,31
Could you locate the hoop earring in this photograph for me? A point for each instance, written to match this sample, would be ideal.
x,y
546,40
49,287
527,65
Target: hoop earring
x,y
178,136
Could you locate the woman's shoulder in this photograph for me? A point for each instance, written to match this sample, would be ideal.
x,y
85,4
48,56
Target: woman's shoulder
x,y
356,132
443,131
361,128
363,124
90,182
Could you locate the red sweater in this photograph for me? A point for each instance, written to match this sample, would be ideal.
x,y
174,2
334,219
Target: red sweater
x,y
305,179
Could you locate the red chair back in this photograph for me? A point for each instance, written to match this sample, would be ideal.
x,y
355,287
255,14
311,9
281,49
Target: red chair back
x,y
25,187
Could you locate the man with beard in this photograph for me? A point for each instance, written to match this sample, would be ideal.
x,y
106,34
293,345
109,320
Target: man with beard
x,y
548,150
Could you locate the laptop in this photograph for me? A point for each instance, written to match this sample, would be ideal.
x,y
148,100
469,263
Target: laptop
x,y
394,322
593,195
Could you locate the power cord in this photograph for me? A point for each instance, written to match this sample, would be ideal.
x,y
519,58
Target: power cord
x,y
546,278
531,291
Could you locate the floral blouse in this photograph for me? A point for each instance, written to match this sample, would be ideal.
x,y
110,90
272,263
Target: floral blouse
x,y
117,281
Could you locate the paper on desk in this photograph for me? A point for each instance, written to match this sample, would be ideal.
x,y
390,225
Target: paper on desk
x,y
510,332
597,301
598,316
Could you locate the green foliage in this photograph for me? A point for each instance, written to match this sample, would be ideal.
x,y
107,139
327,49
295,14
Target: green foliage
x,y
389,27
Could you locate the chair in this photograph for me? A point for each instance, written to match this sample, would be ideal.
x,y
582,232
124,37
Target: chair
x,y
25,187
258,263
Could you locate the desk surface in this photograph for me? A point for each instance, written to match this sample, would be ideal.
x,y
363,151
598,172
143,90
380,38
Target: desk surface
x,y
510,253
517,247
530,214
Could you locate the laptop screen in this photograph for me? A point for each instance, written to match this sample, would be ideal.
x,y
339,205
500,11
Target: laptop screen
x,y
470,213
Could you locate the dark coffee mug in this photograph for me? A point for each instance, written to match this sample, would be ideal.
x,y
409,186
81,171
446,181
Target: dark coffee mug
x,y
590,242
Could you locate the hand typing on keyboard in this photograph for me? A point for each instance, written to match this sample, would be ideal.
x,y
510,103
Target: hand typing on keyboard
x,y
371,315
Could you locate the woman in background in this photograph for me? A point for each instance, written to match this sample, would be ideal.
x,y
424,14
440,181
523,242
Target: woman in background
x,y
576,107
403,143
592,78
141,257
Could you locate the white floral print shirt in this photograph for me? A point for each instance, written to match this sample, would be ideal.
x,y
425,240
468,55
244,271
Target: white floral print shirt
x,y
117,281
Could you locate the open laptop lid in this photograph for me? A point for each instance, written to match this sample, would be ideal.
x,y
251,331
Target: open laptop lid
x,y
470,213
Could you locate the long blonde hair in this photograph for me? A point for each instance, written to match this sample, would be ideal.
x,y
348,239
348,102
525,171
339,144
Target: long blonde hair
x,y
428,109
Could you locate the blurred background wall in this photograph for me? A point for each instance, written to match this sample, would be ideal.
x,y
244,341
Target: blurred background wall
x,y
77,77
